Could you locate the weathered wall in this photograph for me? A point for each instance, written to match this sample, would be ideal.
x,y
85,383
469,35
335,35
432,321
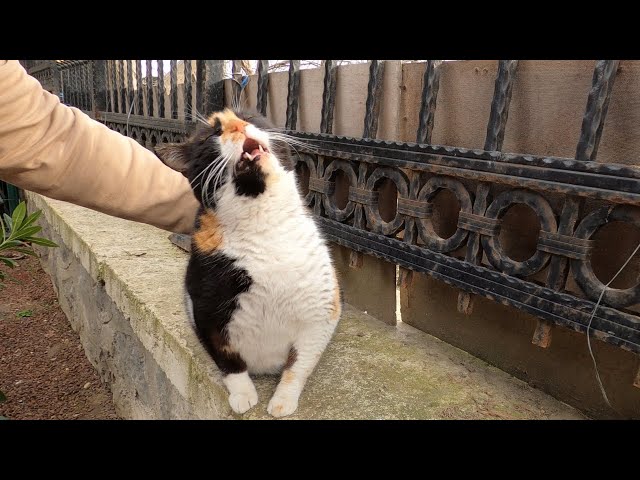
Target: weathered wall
x,y
140,388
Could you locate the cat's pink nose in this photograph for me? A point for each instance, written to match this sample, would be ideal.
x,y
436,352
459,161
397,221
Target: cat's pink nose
x,y
238,127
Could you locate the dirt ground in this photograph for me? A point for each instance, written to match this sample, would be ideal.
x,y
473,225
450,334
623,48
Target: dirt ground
x,y
44,372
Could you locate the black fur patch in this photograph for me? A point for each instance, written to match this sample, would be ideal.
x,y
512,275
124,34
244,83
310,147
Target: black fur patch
x,y
204,149
251,181
214,284
198,153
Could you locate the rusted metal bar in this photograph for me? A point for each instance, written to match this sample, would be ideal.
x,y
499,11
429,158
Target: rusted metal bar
x,y
592,125
495,136
293,92
263,86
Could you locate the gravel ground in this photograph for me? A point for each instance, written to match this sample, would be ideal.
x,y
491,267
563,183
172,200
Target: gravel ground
x,y
44,372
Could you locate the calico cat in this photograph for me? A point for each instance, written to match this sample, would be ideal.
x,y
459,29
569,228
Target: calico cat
x,y
261,289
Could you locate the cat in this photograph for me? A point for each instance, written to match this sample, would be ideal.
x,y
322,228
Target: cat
x,y
261,288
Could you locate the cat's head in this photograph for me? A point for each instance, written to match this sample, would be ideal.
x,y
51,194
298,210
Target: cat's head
x,y
231,146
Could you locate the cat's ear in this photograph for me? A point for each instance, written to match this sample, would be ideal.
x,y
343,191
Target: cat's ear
x,y
174,155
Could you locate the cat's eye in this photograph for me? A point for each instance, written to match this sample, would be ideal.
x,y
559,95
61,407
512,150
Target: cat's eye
x,y
217,128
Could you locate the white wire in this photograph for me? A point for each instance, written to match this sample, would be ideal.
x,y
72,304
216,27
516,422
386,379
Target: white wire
x,y
604,289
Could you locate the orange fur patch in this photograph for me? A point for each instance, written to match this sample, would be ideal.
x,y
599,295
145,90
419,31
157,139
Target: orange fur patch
x,y
288,377
209,236
232,126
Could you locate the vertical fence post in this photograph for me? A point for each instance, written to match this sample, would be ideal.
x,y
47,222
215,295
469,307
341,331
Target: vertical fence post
x,y
173,93
130,94
372,112
604,76
189,108
149,110
98,86
140,102
431,85
114,87
263,86
495,136
328,96
122,100
213,95
293,92
161,90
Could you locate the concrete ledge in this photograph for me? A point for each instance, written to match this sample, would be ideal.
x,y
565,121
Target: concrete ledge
x,y
120,284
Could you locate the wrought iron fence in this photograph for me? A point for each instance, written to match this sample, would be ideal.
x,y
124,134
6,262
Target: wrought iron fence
x,y
486,184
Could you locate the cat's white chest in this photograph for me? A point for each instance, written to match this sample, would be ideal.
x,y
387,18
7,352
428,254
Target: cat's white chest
x,y
286,281
291,277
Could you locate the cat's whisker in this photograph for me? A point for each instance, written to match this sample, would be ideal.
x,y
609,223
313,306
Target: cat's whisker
x,y
195,114
284,135
205,186
199,175
299,144
288,145
218,177
206,169
291,141
214,175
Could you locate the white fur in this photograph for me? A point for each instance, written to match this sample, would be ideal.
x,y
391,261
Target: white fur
x,y
291,302
243,393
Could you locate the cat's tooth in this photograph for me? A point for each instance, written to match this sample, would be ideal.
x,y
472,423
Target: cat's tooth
x,y
246,156
260,148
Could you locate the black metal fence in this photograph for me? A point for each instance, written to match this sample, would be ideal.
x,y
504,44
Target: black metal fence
x,y
486,183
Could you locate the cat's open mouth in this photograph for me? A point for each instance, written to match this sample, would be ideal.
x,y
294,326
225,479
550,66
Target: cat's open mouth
x,y
252,149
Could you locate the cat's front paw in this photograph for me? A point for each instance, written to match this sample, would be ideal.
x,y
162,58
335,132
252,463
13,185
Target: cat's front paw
x,y
241,402
282,405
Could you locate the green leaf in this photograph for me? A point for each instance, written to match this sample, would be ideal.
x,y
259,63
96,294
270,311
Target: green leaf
x,y
24,313
2,397
9,245
40,241
31,218
25,232
8,262
18,215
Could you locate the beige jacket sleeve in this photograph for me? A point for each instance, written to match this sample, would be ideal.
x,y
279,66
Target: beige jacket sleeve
x,y
60,152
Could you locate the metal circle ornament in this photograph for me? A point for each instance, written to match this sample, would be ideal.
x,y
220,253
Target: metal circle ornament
x,y
372,211
310,162
492,245
583,270
425,226
329,200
